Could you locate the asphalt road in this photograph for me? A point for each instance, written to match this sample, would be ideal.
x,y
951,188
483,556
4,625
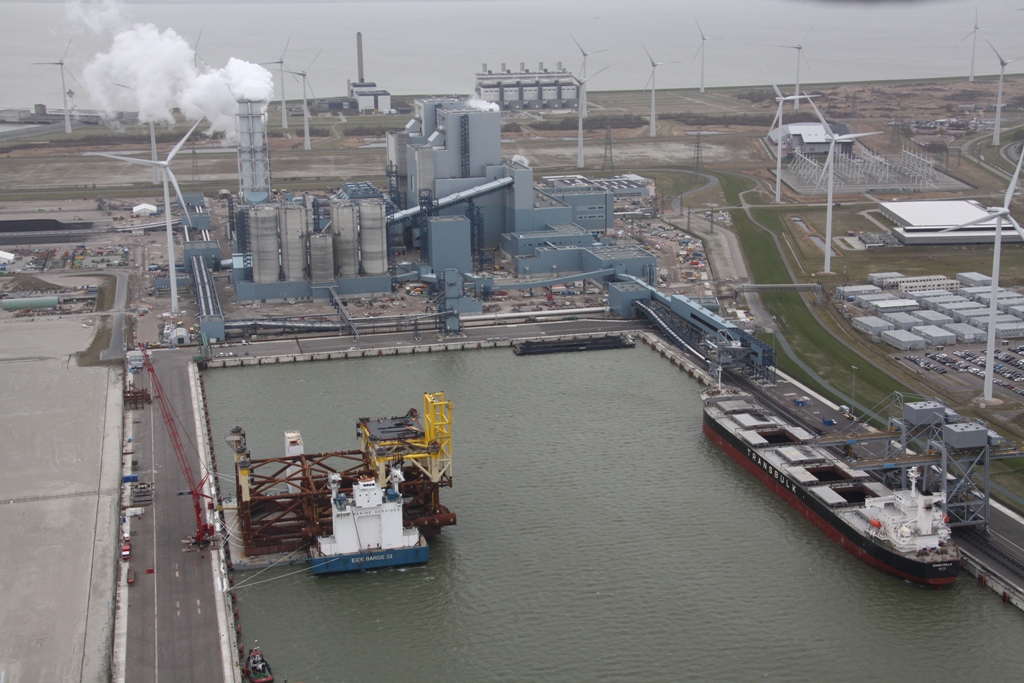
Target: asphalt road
x,y
172,621
116,347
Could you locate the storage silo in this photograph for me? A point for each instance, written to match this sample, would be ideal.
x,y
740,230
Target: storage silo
x,y
294,221
321,257
344,222
372,237
263,243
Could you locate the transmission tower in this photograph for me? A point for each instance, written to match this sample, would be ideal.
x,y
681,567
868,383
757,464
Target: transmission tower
x,y
609,163
698,157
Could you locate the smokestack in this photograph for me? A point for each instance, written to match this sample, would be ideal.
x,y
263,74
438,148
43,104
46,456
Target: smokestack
x,y
484,70
522,67
503,69
359,54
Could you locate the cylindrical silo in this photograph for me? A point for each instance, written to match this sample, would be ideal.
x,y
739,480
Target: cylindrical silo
x,y
263,243
321,257
294,226
344,222
372,238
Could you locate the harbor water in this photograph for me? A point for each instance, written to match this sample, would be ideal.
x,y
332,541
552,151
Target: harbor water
x,y
601,537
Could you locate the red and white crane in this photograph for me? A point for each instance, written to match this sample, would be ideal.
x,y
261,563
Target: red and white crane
x,y
204,531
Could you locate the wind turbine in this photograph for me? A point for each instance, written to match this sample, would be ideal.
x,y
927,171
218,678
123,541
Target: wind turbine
x,y
165,170
999,96
152,138
654,89
63,85
280,62
778,148
195,54
974,43
305,107
799,47
581,115
830,168
583,74
700,51
999,212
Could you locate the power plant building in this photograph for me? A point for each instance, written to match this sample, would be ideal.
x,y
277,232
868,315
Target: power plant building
x,y
525,89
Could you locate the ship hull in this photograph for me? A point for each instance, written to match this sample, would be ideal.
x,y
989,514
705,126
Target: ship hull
x,y
929,573
377,559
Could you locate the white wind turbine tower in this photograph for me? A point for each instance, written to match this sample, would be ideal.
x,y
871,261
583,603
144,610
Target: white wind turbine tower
x,y
778,148
581,110
999,96
830,168
974,42
799,47
654,88
165,170
280,63
1000,212
152,138
305,107
701,52
63,85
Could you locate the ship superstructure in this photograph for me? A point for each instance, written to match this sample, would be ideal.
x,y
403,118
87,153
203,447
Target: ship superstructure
x,y
367,529
901,532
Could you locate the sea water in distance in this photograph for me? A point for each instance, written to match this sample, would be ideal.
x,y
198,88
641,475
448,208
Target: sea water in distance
x,y
600,538
435,46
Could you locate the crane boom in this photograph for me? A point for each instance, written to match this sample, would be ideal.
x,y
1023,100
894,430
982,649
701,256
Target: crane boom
x,y
204,532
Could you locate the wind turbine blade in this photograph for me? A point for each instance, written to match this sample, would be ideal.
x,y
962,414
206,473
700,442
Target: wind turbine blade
x,y
776,120
286,43
177,191
313,60
678,61
977,221
178,146
582,51
1013,183
73,78
130,160
698,49
592,75
854,136
310,86
65,53
195,45
827,168
653,64
702,36
1016,226
649,79
778,93
822,118
806,34
1002,61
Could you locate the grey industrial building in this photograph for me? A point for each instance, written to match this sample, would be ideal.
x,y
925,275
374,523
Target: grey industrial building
x,y
525,89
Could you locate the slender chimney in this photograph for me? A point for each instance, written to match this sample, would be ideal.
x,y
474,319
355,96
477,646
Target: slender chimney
x,y
359,54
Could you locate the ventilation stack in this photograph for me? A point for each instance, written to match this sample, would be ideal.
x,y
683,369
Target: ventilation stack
x,y
253,153
359,55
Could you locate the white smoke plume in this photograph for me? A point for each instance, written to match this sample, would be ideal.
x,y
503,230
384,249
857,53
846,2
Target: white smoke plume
x,y
520,159
482,105
154,72
96,15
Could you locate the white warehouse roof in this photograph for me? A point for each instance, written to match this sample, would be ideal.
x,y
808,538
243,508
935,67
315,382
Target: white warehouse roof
x,y
923,222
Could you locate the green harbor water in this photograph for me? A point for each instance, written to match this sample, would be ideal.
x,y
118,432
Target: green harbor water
x,y
600,538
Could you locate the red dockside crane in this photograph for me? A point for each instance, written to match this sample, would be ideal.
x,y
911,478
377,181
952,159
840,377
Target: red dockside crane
x,y
204,532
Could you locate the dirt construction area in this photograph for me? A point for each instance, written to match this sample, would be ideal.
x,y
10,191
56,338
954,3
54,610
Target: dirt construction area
x,y
59,498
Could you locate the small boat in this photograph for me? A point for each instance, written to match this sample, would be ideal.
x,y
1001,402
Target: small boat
x,y
256,668
131,575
